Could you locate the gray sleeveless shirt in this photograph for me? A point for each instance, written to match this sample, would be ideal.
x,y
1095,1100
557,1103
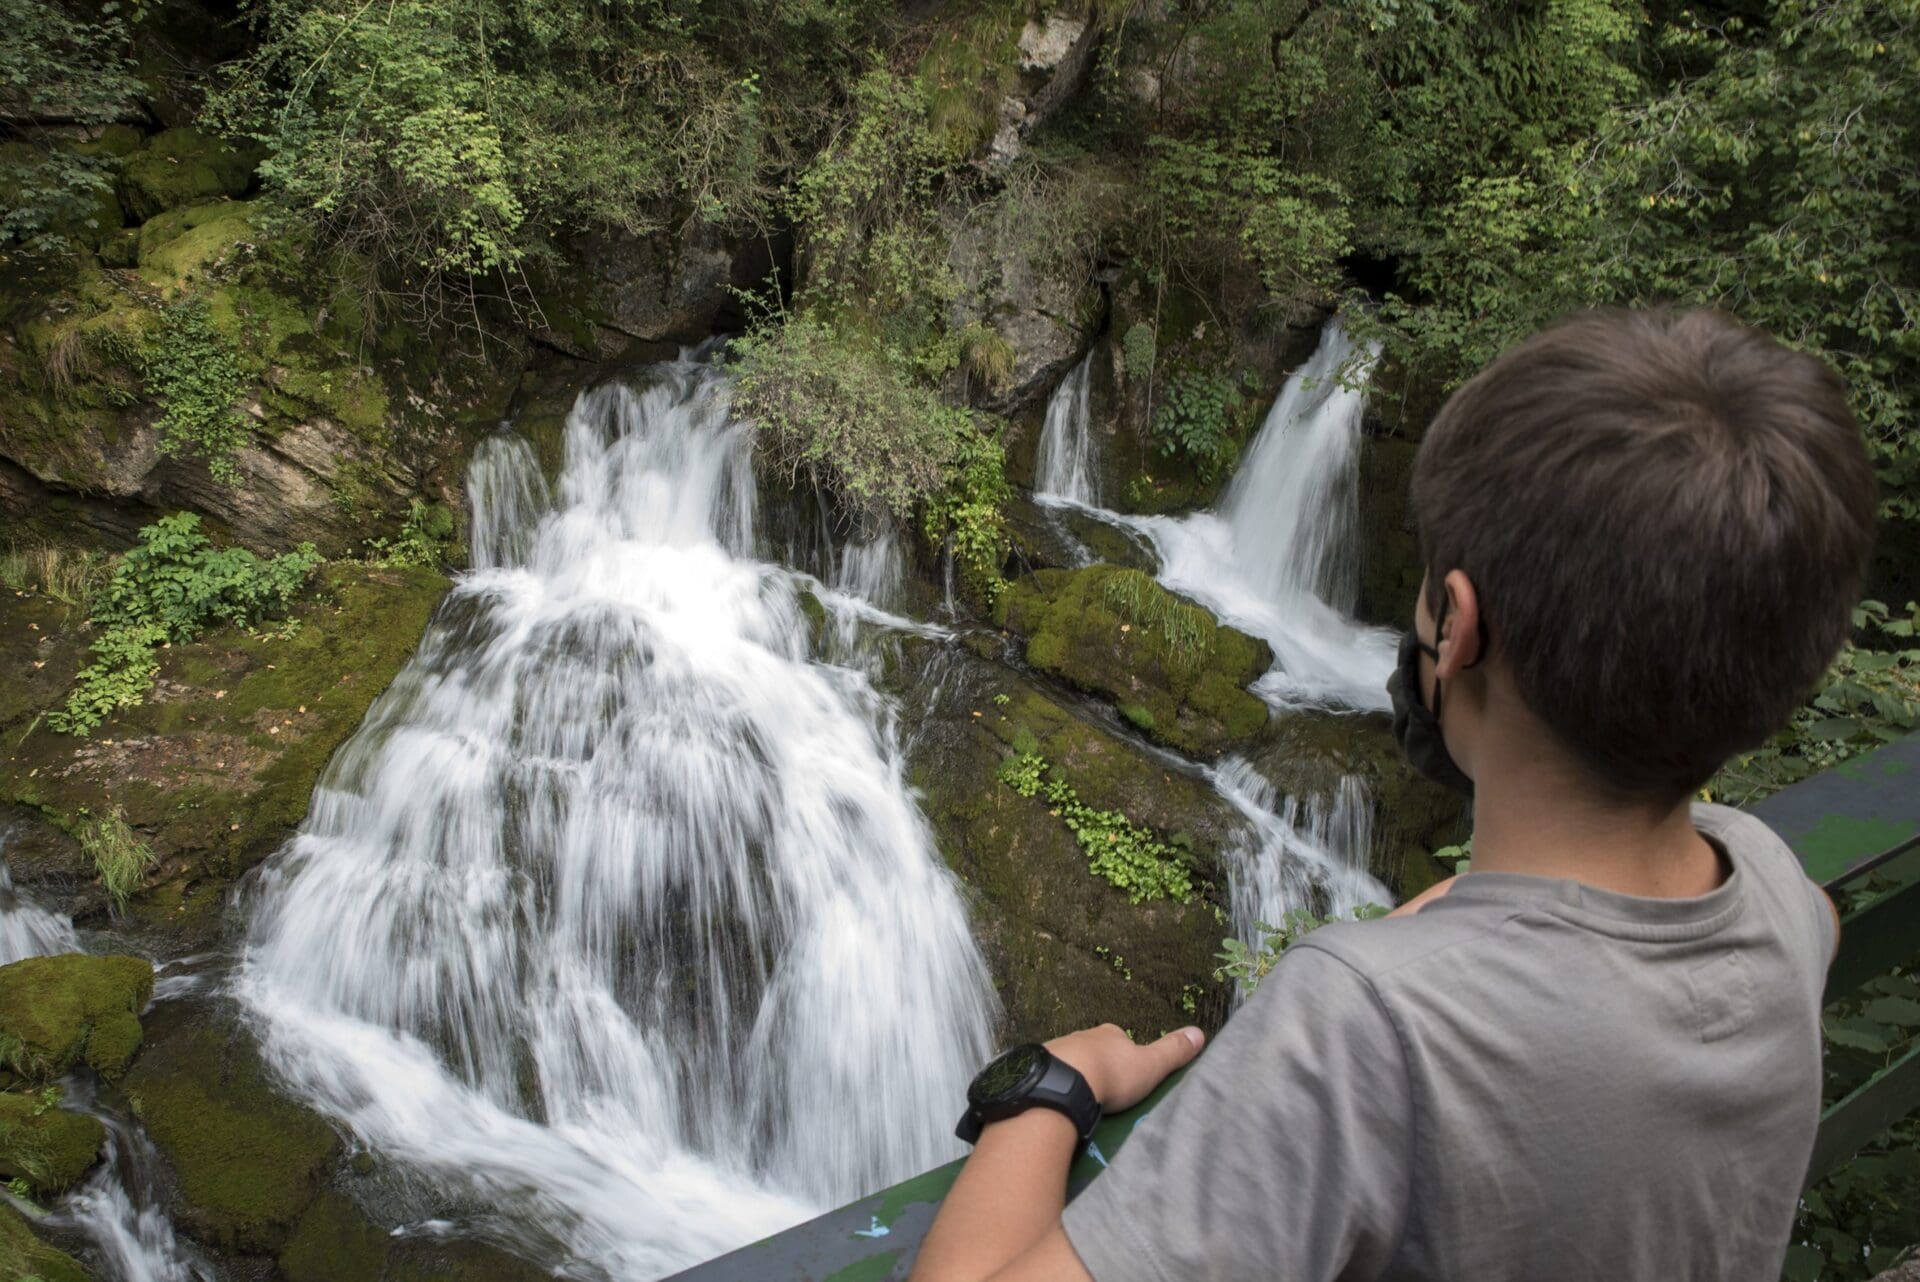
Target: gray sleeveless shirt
x,y
1529,1079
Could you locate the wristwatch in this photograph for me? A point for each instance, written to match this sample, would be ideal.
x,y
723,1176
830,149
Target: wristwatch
x,y
1025,1077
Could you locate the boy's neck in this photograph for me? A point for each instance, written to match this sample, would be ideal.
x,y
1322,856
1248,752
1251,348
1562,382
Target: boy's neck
x,y
1540,817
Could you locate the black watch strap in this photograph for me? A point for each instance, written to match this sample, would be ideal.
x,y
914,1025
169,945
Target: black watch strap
x,y
1059,1086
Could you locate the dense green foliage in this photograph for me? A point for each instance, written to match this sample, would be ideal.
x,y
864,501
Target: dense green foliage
x,y
1198,420
849,415
170,587
197,377
1126,855
57,69
458,145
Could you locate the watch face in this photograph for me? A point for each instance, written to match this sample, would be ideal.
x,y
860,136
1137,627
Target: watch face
x,y
1008,1077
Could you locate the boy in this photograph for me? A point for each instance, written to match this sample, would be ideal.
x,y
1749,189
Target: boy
x,y
1597,1055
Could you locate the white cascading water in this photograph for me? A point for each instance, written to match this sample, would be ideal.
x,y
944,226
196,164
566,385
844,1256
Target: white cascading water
x,y
1295,857
616,916
1063,462
119,1206
26,929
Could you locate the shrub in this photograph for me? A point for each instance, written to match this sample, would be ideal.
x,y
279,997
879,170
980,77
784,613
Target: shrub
x,y
55,67
1196,421
169,588
968,516
848,415
197,376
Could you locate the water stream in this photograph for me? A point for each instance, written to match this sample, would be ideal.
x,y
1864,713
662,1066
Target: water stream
x,y
616,919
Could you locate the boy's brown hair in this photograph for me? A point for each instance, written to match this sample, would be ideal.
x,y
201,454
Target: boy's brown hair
x,y
1666,516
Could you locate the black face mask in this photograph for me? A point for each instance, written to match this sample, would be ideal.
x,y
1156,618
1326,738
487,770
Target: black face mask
x,y
1416,728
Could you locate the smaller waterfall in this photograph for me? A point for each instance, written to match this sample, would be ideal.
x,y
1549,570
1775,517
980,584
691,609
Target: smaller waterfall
x,y
1316,859
26,929
119,1207
1276,558
1063,465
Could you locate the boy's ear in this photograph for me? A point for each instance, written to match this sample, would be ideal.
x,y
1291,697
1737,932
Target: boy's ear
x,y
1459,640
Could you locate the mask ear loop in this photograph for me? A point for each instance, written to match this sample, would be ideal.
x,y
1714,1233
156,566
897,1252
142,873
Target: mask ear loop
x,y
1433,651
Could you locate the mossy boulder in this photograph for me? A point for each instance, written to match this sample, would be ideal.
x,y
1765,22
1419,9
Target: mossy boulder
x,y
335,1240
24,1257
218,764
248,1160
1169,666
44,1144
56,1012
1065,947
183,167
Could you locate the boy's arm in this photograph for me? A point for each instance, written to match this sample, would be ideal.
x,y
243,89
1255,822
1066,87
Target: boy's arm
x,y
1002,1219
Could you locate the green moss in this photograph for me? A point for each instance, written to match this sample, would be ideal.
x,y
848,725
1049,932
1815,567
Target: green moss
x,y
248,1159
56,1012
24,1257
332,1242
180,247
44,1144
183,167
1170,667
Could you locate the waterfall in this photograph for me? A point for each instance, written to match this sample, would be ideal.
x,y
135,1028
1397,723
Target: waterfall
x,y
1290,859
26,929
1063,464
616,916
119,1205
1276,557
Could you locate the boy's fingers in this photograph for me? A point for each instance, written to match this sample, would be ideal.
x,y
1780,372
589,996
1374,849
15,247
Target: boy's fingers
x,y
1177,1049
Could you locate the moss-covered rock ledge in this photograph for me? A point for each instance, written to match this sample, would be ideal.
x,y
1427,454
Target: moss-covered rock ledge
x,y
217,766
1169,666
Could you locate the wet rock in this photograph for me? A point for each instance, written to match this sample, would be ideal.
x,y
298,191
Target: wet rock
x,y
1390,569
638,297
248,1160
218,764
1065,947
57,1012
24,1256
183,167
335,1240
45,1145
1046,312
1170,668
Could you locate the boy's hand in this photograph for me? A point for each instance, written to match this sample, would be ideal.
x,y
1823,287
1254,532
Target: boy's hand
x,y
1121,1073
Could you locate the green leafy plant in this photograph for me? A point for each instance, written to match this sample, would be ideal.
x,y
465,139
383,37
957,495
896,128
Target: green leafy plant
x,y
968,515
1247,966
423,540
57,67
1126,855
197,376
118,855
169,588
1137,350
1197,421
